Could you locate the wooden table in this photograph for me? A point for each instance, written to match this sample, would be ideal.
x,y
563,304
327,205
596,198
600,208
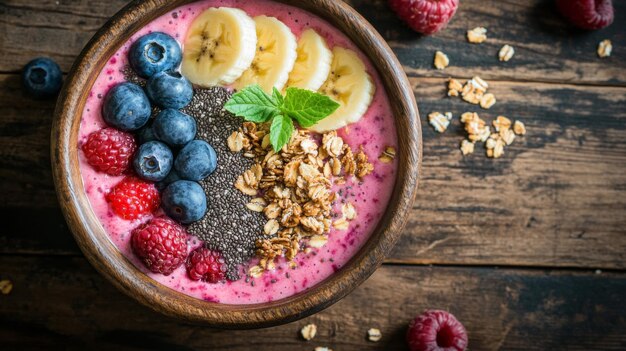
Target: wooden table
x,y
528,251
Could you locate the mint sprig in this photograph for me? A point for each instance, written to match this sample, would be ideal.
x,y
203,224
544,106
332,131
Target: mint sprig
x,y
253,104
304,106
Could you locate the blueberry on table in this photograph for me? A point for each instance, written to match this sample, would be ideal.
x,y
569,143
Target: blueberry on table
x,y
153,53
169,89
196,161
184,201
153,161
126,107
42,78
174,128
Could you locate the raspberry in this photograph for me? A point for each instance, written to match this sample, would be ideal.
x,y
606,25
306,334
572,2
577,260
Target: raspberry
x,y
587,14
206,265
161,244
436,330
109,150
425,16
132,197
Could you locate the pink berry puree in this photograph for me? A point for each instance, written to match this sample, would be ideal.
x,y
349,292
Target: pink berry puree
x,y
375,131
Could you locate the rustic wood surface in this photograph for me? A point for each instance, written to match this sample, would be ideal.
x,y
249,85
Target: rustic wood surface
x,y
549,213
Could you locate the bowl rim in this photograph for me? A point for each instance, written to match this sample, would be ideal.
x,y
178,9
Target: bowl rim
x,y
110,262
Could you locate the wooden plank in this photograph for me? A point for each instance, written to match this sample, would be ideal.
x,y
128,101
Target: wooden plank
x,y
547,48
25,124
58,29
557,197
63,301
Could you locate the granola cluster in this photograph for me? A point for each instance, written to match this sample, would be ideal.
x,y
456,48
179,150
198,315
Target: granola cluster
x,y
474,91
292,188
479,131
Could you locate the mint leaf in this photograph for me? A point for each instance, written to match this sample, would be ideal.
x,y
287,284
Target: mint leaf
x,y
280,131
278,97
307,107
253,104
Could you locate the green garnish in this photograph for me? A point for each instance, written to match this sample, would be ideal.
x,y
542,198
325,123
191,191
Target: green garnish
x,y
304,106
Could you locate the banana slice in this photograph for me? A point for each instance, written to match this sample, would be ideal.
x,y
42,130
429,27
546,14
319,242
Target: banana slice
x,y
220,46
351,86
313,63
275,55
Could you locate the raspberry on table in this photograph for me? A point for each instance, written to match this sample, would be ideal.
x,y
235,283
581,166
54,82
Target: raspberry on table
x,y
109,150
161,244
132,197
425,16
436,330
206,265
587,14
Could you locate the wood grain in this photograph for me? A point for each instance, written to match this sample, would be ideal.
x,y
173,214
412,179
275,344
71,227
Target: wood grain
x,y
547,48
511,310
557,198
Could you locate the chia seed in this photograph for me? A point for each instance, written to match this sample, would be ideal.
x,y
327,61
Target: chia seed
x,y
131,76
228,226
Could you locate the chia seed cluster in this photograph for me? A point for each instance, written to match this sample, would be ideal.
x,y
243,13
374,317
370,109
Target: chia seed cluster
x,y
228,226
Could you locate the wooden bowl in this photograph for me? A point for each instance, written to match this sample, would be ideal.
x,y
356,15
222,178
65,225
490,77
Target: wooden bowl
x,y
109,261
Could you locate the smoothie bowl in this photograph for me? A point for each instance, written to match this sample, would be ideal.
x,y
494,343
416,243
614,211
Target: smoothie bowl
x,y
236,163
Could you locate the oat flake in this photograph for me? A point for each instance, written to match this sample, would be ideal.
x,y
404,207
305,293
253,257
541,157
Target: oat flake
x,y
604,48
441,60
506,53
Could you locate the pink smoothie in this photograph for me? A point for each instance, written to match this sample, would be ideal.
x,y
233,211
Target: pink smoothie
x,y
374,132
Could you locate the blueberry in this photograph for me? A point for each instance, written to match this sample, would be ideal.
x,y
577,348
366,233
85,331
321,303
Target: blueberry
x,y
169,90
42,78
146,134
153,161
171,178
153,53
196,161
184,201
174,128
126,107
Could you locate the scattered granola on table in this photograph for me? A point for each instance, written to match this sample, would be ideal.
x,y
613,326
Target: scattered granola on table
x,y
374,335
479,131
477,35
440,121
467,147
441,60
487,101
506,53
519,128
474,91
6,286
604,48
308,331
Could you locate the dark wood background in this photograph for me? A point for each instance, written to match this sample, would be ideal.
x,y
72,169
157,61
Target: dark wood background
x,y
528,251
